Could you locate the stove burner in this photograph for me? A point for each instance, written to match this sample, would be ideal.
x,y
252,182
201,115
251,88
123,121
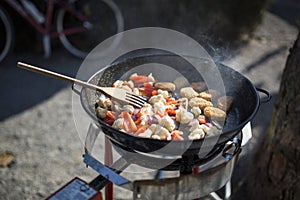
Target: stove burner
x,y
215,171
184,163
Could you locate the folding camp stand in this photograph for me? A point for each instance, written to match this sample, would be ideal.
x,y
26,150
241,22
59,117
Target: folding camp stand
x,y
204,179
194,181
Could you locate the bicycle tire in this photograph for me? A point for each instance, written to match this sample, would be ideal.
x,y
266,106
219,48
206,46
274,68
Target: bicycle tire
x,y
81,44
7,34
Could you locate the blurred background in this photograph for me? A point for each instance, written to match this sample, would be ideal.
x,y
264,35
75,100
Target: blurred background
x,y
36,122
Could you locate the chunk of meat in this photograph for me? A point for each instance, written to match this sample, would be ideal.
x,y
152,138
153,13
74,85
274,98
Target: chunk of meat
x,y
200,102
209,94
165,86
188,92
215,113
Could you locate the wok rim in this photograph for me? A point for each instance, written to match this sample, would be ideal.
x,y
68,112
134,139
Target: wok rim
x,y
223,135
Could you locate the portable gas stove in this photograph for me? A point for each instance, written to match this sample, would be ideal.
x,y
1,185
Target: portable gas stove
x,y
197,177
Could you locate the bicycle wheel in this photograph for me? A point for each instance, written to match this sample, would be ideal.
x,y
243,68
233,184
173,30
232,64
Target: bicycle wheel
x,y
105,18
7,34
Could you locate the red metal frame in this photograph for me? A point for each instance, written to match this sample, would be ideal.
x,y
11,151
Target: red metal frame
x,y
108,160
46,30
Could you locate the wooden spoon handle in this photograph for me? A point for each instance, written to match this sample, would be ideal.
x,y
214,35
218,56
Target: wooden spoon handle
x,y
57,75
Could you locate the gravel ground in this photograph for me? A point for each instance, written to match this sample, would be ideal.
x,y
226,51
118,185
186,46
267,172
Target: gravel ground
x,y
37,124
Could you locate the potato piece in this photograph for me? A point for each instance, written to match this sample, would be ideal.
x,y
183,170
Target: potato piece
x,y
100,112
146,109
150,78
153,127
161,133
204,128
165,86
188,92
194,126
118,124
128,108
225,102
209,94
196,110
104,102
167,123
183,116
215,113
200,102
120,108
183,103
147,134
123,85
164,93
156,99
159,107
196,134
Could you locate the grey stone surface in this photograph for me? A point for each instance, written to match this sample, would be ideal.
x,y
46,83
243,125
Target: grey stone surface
x,y
37,121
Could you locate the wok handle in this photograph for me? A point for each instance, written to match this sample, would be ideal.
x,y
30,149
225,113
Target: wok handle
x,y
268,95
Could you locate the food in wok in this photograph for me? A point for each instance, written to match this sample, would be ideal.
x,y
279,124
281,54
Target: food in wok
x,y
190,115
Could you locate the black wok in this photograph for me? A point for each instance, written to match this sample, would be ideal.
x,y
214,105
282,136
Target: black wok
x,y
245,105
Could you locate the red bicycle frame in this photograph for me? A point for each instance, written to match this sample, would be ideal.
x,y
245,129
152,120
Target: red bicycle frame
x,y
45,30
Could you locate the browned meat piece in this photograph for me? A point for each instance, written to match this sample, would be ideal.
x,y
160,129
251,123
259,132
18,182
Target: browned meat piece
x,y
200,102
215,113
209,94
165,86
188,92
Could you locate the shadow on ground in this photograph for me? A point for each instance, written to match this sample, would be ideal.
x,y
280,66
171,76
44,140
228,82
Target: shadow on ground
x,y
22,89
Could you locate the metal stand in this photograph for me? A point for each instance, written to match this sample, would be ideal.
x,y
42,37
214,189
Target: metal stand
x,y
206,179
